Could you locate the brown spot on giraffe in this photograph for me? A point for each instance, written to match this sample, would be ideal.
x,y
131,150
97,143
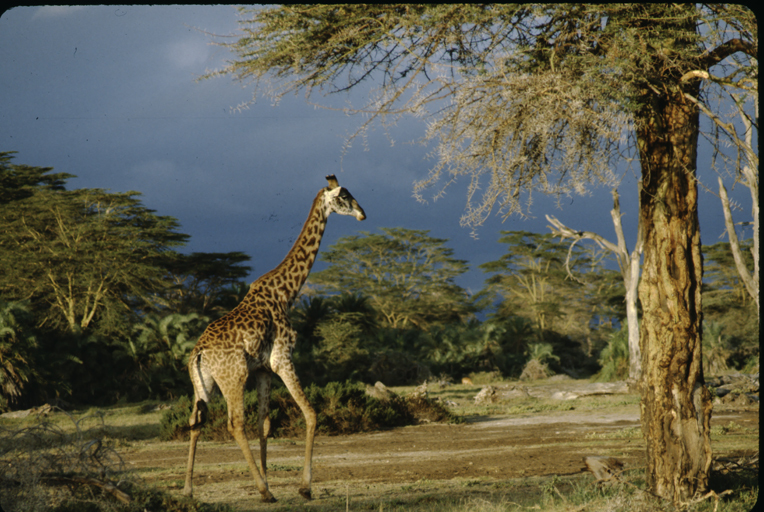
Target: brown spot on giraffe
x,y
257,336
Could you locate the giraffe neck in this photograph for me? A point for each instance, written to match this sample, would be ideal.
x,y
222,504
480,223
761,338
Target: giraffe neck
x,y
289,276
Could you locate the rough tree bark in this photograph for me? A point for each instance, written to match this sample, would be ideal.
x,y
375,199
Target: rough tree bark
x,y
675,405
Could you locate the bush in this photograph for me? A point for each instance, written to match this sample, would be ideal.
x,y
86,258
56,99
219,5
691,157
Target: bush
x,y
614,358
342,408
44,466
716,349
539,357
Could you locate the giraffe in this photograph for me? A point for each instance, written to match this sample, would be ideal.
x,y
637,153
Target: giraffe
x,y
256,336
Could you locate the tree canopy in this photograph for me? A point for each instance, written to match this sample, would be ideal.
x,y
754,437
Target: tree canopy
x,y
200,279
407,275
531,280
83,253
94,296
519,97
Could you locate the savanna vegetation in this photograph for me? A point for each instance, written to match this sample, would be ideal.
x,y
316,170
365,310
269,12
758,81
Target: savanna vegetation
x,y
524,98
99,306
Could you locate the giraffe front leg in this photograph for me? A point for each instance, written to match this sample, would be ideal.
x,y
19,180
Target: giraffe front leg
x,y
285,370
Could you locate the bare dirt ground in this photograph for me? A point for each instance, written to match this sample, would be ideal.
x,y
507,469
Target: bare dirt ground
x,y
346,468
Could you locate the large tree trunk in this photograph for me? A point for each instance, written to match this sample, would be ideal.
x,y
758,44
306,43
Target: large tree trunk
x,y
675,405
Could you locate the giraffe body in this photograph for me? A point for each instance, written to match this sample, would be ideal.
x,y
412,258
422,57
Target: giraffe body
x,y
256,336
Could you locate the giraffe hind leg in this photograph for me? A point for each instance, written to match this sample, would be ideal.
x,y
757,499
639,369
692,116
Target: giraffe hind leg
x,y
196,421
233,392
203,383
263,378
199,415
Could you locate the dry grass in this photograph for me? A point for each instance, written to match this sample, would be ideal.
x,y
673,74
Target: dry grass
x,y
88,443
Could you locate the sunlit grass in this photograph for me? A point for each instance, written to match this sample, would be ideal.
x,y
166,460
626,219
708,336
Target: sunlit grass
x,y
136,426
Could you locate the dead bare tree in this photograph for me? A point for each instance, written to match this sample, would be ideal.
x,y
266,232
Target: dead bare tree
x,y
749,178
741,93
628,263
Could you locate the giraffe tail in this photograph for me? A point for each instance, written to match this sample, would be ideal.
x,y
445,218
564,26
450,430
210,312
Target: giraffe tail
x,y
202,385
199,415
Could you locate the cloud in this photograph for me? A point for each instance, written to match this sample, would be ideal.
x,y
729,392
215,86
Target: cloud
x,y
188,53
55,11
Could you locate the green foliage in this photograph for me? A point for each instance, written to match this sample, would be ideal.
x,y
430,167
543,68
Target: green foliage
x,y
110,309
614,358
496,346
306,315
333,338
537,366
158,351
727,305
531,281
399,318
18,182
341,351
342,408
201,279
84,257
716,349
541,352
407,276
17,346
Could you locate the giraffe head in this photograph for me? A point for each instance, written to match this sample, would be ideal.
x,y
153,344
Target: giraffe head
x,y
338,199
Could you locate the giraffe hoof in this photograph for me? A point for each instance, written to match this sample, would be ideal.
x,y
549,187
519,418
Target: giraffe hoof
x,y
267,497
305,493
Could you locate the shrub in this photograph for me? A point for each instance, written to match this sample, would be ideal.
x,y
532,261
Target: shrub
x,y
716,349
44,466
539,357
342,408
614,358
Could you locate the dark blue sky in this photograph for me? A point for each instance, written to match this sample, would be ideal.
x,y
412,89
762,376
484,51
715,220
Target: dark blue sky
x,y
110,95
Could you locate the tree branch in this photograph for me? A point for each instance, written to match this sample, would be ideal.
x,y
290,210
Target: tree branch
x,y
558,228
751,282
726,49
79,480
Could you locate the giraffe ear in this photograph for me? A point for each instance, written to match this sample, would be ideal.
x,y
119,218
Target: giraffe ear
x,y
332,182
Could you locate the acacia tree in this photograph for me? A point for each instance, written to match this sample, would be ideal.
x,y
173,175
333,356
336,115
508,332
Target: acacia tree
x,y
542,97
200,278
532,280
407,275
81,255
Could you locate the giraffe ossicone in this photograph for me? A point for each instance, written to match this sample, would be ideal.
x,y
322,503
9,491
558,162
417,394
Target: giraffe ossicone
x,y
256,336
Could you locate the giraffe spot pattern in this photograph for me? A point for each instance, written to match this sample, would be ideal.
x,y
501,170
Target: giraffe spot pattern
x,y
257,335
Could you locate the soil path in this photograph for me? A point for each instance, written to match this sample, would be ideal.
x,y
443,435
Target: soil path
x,y
484,448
